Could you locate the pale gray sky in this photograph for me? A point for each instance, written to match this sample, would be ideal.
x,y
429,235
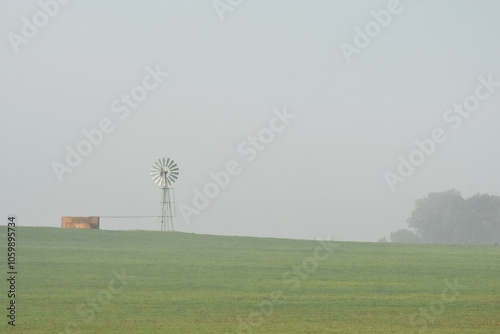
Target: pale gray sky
x,y
322,174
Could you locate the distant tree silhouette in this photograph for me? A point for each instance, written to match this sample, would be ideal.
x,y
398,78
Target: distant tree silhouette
x,y
436,216
482,223
446,217
383,239
405,236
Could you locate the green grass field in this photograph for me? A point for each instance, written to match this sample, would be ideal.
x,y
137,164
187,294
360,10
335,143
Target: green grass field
x,y
78,281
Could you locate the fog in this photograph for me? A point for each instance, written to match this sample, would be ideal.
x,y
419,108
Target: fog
x,y
334,116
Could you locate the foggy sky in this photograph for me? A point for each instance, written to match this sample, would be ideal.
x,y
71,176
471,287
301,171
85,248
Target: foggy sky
x,y
321,174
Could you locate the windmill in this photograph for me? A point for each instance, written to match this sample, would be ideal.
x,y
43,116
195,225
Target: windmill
x,y
164,173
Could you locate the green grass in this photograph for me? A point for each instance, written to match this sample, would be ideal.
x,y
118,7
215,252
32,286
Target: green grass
x,y
187,283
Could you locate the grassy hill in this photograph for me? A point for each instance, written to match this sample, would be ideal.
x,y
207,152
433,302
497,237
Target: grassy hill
x,y
92,281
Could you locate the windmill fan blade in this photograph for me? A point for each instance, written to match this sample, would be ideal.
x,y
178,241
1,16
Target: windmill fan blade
x,y
164,172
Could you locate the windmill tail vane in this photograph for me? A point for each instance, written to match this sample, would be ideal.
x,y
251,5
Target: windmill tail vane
x,y
164,173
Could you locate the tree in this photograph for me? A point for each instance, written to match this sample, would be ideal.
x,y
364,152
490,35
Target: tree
x,y
446,217
436,216
383,239
405,237
483,219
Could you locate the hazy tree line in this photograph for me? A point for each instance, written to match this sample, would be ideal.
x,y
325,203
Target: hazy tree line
x,y
446,217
